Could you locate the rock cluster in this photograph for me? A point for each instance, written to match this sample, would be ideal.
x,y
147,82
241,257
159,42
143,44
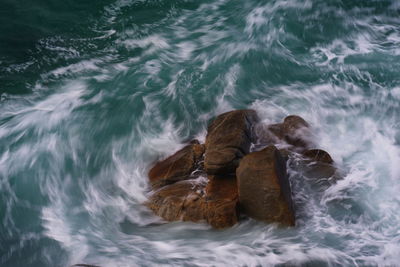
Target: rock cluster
x,y
221,179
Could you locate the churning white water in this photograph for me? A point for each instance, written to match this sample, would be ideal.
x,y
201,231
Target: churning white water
x,y
143,77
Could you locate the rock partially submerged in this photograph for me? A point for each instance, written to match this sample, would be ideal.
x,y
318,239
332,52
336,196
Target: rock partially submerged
x,y
293,131
233,180
318,166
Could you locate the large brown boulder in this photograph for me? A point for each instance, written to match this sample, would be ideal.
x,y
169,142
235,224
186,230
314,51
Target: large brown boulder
x,y
228,139
264,188
221,201
177,167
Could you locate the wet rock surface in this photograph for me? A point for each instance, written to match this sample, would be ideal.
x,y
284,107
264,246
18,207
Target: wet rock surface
x,y
222,201
264,189
183,200
215,203
177,167
228,139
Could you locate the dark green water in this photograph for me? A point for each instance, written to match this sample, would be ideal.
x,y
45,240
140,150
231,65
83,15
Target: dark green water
x,y
93,92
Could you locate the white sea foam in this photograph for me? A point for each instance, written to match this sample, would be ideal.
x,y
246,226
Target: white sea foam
x,y
83,66
152,42
57,228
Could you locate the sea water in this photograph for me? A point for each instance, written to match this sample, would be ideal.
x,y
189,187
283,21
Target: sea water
x,y
92,93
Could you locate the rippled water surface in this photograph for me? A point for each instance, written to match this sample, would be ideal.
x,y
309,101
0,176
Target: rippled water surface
x,y
93,92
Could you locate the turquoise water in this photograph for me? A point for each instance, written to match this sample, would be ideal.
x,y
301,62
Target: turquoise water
x,y
93,92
